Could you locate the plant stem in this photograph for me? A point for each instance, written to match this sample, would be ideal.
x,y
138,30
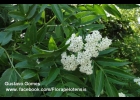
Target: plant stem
x,y
40,82
60,75
101,68
51,20
55,64
51,25
102,71
12,63
44,17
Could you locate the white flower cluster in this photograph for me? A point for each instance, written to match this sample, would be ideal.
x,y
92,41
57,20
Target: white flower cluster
x,y
69,62
137,80
76,43
83,52
121,94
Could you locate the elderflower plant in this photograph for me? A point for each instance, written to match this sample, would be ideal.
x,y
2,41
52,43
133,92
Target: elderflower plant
x,y
81,53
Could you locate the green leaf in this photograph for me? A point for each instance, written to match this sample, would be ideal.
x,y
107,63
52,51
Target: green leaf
x,y
99,82
72,94
25,64
25,47
17,15
92,27
127,6
43,16
89,19
43,6
9,76
5,37
23,8
111,62
44,67
116,10
1,51
81,7
6,5
66,31
37,50
66,7
4,59
18,26
110,89
57,11
51,77
52,45
26,74
21,93
57,93
41,53
117,81
46,63
45,53
71,84
109,50
99,11
90,7
37,17
58,31
118,72
112,10
74,79
44,71
92,80
83,13
41,33
31,34
31,11
19,56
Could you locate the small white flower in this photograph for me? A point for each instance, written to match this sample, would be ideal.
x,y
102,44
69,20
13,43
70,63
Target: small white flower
x,y
104,44
137,80
138,83
121,94
38,62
